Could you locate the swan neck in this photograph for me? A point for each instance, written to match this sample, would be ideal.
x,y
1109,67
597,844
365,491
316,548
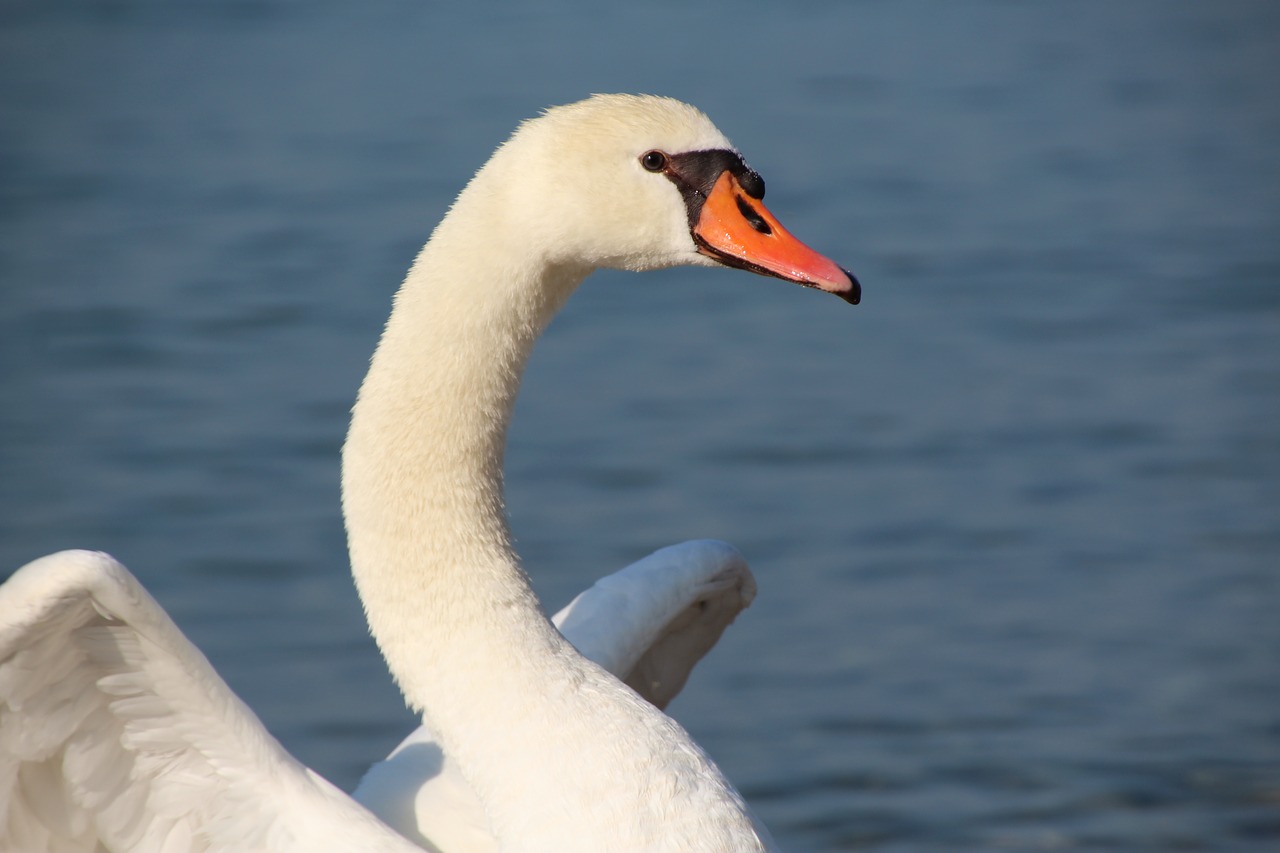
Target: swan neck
x,y
422,465
446,599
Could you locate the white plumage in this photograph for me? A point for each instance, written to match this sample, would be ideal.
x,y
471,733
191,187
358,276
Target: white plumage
x,y
647,624
115,733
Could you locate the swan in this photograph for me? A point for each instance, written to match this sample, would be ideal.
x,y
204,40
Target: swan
x,y
116,733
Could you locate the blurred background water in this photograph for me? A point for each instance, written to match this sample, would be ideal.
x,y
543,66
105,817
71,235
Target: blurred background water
x,y
1015,519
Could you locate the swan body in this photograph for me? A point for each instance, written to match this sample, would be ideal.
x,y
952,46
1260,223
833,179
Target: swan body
x,y
647,624
114,728
560,754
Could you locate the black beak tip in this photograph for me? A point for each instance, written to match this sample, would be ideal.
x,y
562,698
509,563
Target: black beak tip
x,y
854,295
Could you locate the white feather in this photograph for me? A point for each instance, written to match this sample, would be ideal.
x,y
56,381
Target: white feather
x,y
117,734
648,624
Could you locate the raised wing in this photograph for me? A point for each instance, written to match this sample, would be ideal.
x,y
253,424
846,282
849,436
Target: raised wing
x,y
648,624
117,734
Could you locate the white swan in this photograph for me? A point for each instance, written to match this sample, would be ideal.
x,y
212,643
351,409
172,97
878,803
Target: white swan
x,y
561,755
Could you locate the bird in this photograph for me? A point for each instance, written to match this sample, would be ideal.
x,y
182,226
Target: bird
x,y
117,734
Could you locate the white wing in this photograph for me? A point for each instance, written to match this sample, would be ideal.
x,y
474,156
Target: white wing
x,y
648,624
117,734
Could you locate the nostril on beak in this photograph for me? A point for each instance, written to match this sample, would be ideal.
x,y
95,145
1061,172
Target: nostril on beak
x,y
754,219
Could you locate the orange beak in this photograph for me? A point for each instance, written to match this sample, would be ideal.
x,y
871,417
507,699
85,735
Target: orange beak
x,y
739,231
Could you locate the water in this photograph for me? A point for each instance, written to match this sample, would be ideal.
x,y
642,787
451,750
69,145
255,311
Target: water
x,y
1014,518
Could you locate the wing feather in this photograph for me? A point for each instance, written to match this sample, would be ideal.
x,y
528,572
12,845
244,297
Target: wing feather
x,y
650,623
117,734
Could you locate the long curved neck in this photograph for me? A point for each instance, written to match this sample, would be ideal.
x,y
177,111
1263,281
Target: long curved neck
x,y
524,715
422,464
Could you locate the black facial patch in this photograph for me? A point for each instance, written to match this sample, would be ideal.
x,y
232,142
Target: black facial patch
x,y
751,182
695,174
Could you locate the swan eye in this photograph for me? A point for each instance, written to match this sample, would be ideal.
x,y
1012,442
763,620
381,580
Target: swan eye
x,y
654,161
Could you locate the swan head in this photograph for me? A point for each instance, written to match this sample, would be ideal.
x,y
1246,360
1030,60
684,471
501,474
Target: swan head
x,y
641,182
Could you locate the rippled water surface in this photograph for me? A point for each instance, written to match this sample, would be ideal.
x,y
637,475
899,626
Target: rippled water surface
x,y
1015,519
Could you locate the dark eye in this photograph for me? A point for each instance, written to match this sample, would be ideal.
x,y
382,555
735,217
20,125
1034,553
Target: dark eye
x,y
654,161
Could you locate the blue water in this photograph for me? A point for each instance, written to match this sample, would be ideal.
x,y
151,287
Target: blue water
x,y
1015,519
